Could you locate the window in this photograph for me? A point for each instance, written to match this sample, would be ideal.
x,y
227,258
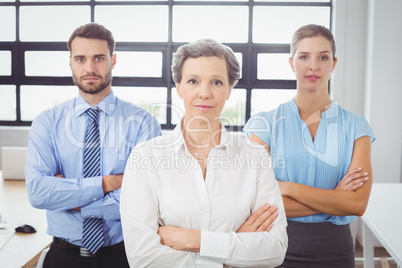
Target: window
x,y
35,75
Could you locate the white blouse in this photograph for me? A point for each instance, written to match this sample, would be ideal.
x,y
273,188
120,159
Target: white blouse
x,y
164,185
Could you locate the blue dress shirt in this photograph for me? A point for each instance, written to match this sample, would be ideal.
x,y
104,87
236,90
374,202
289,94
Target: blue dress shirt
x,y
321,163
56,147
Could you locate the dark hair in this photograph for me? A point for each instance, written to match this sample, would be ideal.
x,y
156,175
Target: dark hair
x,y
93,31
205,48
308,31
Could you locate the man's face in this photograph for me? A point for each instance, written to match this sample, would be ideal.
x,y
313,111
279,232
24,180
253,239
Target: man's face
x,y
91,64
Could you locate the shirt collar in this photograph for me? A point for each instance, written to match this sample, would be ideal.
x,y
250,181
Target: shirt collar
x,y
180,145
332,110
107,105
295,109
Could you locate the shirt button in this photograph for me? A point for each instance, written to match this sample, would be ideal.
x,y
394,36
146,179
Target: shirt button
x,y
94,199
92,216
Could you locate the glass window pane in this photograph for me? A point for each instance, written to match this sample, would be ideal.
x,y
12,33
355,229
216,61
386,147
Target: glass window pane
x,y
35,99
219,0
152,99
7,17
135,23
130,0
54,0
277,24
239,57
8,103
263,100
274,66
47,63
56,23
234,112
5,63
324,1
177,107
4,1
142,64
222,23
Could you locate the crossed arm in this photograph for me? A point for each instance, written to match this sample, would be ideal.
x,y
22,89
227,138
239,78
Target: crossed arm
x,y
350,197
190,240
47,191
110,183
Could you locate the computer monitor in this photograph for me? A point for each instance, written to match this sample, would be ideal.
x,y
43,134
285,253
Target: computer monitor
x,y
13,162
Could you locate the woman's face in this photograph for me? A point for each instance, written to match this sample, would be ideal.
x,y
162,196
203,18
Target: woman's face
x,y
204,87
313,63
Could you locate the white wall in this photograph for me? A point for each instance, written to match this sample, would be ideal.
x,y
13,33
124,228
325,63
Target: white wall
x,y
367,77
384,70
348,26
365,81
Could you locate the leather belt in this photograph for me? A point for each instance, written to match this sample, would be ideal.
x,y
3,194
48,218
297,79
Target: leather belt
x,y
83,252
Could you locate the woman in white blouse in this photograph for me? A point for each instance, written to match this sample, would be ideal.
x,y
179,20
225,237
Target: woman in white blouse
x,y
188,196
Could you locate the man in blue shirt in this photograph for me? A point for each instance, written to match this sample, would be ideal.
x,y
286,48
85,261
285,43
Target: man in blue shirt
x,y
56,158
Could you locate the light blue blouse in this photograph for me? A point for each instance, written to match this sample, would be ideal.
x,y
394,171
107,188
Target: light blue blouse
x,y
321,163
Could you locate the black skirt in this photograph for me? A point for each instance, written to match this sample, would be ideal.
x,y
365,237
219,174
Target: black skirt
x,y
321,245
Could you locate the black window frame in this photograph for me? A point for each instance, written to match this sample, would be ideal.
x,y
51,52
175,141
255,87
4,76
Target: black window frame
x,y
249,52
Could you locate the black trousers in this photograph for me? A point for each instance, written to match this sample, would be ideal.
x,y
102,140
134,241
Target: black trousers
x,y
58,257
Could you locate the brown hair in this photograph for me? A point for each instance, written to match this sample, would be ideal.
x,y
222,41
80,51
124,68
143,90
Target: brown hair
x,y
308,31
93,31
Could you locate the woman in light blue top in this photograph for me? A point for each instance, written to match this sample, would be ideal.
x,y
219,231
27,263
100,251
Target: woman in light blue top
x,y
320,155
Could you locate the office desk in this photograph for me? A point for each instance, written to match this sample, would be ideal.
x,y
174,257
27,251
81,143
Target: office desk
x,y
383,220
22,250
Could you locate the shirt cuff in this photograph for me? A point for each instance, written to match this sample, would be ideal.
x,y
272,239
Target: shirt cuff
x,y
92,192
215,244
91,211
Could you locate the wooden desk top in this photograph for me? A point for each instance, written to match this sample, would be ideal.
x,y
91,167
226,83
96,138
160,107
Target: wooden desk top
x,y
22,249
383,216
